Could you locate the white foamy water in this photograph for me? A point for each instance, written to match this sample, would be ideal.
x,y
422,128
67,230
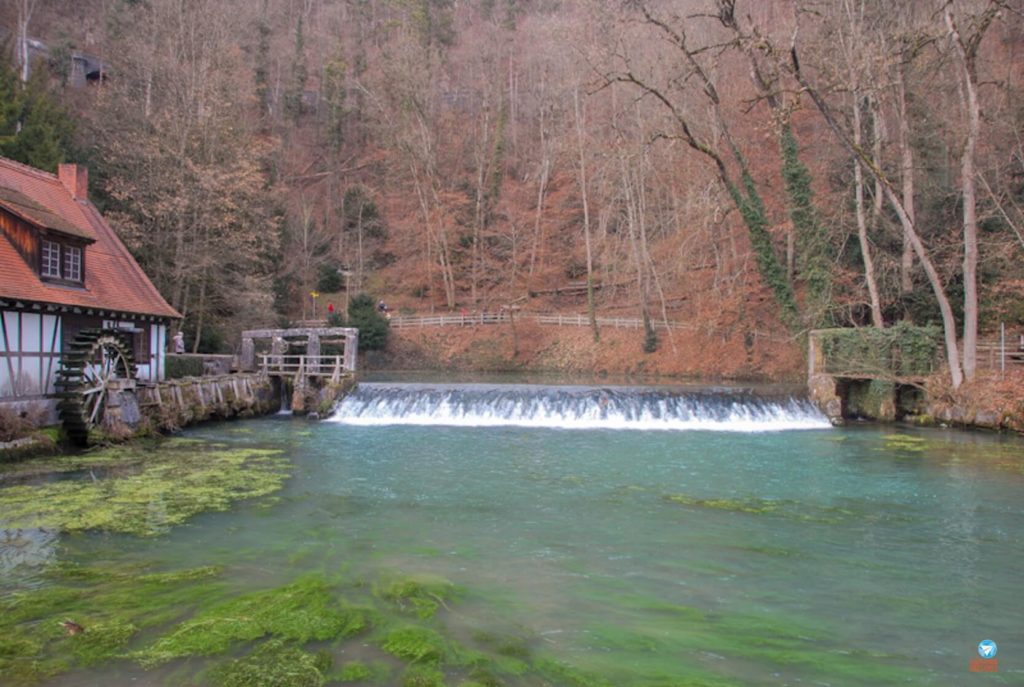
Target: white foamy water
x,y
555,407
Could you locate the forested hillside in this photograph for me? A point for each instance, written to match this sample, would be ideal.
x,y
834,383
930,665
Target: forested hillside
x,y
735,164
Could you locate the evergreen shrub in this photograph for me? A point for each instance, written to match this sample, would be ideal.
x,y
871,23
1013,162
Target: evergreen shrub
x,y
373,327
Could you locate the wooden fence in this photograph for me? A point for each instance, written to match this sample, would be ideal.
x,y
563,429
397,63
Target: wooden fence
x,y
996,355
554,319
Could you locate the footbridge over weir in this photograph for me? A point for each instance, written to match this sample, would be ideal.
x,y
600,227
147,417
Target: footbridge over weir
x,y
299,351
316,365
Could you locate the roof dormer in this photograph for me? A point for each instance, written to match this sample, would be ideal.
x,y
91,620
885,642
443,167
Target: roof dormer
x,y
52,246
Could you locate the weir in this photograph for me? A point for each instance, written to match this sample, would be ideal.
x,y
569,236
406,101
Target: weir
x,y
577,407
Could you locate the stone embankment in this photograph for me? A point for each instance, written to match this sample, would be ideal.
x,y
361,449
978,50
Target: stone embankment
x,y
176,403
989,403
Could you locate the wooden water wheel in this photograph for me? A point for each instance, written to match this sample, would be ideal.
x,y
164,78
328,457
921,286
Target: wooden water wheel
x,y
96,360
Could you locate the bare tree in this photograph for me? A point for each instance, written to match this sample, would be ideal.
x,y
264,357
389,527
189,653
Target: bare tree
x,y
855,50
966,51
580,117
25,11
948,321
743,190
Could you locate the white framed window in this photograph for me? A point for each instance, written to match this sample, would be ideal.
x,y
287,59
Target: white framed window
x,y
49,260
73,263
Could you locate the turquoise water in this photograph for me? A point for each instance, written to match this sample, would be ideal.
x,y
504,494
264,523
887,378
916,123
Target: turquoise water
x,y
854,556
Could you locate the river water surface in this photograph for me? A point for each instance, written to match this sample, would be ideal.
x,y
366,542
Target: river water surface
x,y
613,537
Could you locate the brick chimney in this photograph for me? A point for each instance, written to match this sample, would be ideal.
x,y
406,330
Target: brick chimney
x,y
75,179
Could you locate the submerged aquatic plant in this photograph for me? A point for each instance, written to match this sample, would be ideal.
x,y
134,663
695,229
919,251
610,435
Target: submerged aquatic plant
x,y
273,664
353,671
786,508
421,595
416,644
145,494
303,611
752,505
110,605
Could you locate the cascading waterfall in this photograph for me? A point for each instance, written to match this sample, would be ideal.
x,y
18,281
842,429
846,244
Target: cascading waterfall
x,y
573,407
286,398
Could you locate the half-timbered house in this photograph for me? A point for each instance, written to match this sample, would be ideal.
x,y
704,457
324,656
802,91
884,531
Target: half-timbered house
x,y
64,270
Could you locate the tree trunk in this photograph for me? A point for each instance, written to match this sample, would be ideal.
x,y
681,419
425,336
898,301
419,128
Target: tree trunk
x,y
201,311
586,212
907,179
24,17
633,211
969,80
862,225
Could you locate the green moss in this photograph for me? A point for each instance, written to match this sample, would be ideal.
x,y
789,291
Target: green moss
x,y
303,611
416,644
272,664
144,497
421,595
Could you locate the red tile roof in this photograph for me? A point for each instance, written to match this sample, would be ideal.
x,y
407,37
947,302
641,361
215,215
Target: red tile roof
x,y
113,280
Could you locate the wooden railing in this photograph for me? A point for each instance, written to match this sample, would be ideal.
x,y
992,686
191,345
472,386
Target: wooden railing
x,y
556,319
304,366
995,355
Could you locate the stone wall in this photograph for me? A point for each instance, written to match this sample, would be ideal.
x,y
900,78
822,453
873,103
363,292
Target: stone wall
x,y
984,404
177,403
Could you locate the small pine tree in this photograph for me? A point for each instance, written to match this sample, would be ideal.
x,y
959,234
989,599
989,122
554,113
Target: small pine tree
x,y
335,319
373,328
327,279
34,128
10,99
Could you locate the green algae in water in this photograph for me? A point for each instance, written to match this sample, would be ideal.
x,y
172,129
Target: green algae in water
x,y
102,641
420,595
162,489
423,676
784,508
903,442
665,651
304,611
112,604
416,644
757,506
273,664
670,629
353,671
